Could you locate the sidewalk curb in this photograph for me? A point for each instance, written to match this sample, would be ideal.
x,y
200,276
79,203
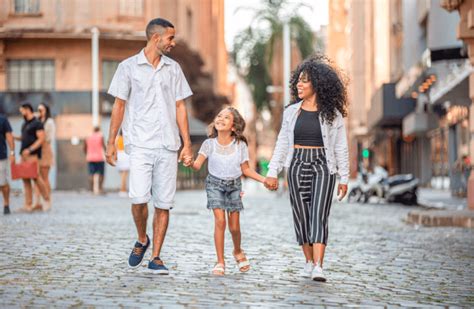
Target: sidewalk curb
x,y
441,218
428,206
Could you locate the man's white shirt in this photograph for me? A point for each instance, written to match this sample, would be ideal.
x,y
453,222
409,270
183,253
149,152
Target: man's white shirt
x,y
150,95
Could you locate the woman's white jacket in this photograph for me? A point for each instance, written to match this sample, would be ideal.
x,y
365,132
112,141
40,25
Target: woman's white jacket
x,y
334,138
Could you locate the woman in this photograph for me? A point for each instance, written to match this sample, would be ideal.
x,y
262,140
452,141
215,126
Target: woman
x,y
47,157
312,144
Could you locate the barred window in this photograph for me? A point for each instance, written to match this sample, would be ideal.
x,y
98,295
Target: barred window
x,y
108,70
30,75
131,8
27,6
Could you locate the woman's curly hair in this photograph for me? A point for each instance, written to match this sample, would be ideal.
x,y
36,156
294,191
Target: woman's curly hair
x,y
329,84
239,125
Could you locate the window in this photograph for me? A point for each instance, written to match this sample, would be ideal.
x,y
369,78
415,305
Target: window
x,y
28,75
108,70
132,8
27,6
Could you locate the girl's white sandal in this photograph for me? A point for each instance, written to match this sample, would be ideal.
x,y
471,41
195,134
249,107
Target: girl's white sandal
x,y
219,269
242,261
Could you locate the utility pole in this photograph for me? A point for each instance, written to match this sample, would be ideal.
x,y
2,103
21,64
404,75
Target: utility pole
x,y
286,62
95,76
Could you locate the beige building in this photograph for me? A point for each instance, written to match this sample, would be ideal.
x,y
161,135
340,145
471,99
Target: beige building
x,y
364,38
45,56
61,31
465,32
410,107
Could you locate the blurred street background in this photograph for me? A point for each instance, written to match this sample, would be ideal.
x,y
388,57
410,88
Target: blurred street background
x,y
409,65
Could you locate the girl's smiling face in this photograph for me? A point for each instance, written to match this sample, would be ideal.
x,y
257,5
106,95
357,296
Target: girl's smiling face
x,y
224,121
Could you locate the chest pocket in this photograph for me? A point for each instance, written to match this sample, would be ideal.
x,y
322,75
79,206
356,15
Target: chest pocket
x,y
139,84
164,84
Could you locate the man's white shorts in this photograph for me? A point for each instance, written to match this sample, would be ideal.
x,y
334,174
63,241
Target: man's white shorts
x,y
153,176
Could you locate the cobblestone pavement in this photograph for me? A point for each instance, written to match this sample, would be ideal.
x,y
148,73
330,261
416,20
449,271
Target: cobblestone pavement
x,y
76,256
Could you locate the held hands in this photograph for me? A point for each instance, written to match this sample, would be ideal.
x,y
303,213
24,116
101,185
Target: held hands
x,y
341,191
186,156
271,183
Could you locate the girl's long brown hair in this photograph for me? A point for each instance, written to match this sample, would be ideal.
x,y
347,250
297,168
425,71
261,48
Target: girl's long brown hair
x,y
238,125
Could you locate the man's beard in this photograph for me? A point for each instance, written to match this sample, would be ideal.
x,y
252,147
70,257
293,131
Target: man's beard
x,y
165,51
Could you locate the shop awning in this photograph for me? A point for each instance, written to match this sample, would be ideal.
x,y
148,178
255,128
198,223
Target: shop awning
x,y
453,85
386,110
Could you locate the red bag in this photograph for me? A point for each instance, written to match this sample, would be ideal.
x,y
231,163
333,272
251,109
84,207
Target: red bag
x,y
25,170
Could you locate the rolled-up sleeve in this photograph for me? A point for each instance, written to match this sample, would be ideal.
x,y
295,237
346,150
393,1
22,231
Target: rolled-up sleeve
x,y
183,90
341,152
120,85
281,150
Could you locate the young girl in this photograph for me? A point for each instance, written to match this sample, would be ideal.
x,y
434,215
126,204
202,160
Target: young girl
x,y
227,154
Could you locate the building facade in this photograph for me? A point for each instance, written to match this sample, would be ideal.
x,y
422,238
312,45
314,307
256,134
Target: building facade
x,y
464,10
409,87
436,72
364,38
46,56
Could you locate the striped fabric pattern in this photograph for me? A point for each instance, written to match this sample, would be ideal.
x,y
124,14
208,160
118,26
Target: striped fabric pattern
x,y
311,188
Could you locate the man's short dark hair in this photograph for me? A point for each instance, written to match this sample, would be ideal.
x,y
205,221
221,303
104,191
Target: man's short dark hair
x,y
27,106
152,26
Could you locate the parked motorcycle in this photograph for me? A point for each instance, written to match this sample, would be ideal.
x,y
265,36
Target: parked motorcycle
x,y
368,185
395,189
401,189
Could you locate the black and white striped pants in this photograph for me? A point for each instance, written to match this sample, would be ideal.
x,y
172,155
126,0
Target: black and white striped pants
x,y
311,188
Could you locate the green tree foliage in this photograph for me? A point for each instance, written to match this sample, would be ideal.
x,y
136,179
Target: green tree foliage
x,y
254,47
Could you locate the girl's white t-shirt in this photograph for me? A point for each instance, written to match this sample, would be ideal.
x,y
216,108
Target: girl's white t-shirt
x,y
224,161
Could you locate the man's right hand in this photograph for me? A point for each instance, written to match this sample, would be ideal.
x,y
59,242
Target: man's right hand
x,y
12,159
111,154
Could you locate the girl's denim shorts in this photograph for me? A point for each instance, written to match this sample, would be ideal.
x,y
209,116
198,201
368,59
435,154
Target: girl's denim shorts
x,y
224,194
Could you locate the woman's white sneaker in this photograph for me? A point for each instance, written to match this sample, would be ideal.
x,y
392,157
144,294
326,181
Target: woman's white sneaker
x,y
317,274
308,269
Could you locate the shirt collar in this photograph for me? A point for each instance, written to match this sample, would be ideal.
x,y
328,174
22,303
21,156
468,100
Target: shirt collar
x,y
143,60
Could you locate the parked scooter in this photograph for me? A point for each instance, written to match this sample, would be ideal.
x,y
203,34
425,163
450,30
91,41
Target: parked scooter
x,y
401,189
395,189
368,185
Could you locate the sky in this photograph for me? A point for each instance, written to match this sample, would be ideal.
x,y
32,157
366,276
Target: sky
x,y
235,22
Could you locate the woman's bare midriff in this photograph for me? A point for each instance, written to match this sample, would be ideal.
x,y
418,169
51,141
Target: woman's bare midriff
x,y
306,147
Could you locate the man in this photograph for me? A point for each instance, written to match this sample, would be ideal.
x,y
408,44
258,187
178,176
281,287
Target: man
x,y
6,136
149,90
32,137
94,148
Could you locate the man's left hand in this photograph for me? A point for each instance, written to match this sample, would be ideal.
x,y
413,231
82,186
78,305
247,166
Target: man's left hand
x,y
186,155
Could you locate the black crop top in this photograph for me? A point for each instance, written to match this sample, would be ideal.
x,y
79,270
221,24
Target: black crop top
x,y
308,129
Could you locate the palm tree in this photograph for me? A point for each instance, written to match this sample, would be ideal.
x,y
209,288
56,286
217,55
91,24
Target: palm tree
x,y
257,50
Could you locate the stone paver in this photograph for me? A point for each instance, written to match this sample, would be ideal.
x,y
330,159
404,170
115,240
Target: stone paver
x,y
76,256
